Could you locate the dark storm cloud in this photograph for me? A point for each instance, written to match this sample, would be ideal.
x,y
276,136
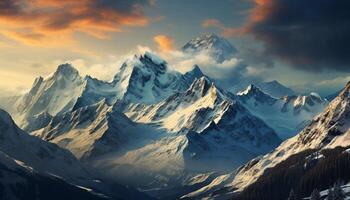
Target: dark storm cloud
x,y
309,34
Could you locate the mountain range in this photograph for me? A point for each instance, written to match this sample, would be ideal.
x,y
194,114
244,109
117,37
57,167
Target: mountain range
x,y
171,135
329,130
288,114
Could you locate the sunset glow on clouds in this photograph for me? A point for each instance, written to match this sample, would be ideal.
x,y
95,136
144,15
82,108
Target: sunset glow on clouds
x,y
164,43
41,22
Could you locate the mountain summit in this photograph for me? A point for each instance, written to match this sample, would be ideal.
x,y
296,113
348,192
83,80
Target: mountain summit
x,y
216,47
276,89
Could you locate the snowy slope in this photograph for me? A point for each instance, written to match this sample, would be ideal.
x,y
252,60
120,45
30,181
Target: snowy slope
x,y
345,188
197,108
39,154
287,115
210,44
48,163
91,131
192,132
223,125
327,130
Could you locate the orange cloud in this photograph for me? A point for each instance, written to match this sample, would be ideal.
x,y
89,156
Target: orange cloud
x,y
257,14
226,31
260,11
165,43
212,23
39,21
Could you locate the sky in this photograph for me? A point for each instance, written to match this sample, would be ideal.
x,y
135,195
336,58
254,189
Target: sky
x,y
303,44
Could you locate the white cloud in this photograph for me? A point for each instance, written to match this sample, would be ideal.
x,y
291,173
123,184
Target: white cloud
x,y
233,74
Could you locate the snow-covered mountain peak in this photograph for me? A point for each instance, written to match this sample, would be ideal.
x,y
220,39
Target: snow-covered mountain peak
x,y
251,89
217,47
66,70
147,61
254,92
203,87
288,114
304,102
147,79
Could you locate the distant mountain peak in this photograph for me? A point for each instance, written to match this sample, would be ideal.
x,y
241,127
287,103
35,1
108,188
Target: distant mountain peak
x,y
250,89
276,89
66,70
211,44
253,90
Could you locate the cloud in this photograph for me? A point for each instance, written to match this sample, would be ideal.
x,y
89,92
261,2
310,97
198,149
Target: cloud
x,y
104,69
164,42
212,23
324,87
233,74
310,35
43,21
226,31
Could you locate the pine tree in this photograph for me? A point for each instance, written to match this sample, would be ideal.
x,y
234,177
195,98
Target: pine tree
x,y
338,191
292,195
315,195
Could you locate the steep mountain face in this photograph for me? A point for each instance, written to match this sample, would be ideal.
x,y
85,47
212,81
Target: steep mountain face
x,y
148,79
191,75
91,131
41,155
329,129
181,109
287,115
201,106
210,44
276,89
57,93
